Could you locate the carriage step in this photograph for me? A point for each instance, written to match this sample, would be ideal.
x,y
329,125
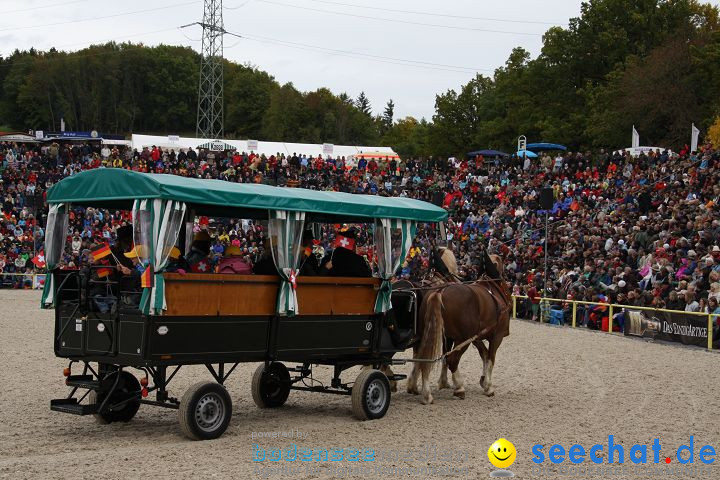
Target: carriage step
x,y
398,376
70,405
82,381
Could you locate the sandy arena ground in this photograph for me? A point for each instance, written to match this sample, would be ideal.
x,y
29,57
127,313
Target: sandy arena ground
x,y
553,385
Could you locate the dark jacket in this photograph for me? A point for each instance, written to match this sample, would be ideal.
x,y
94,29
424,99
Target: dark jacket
x,y
345,263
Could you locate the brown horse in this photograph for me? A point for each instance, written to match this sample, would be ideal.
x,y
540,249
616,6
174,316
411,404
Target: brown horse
x,y
458,312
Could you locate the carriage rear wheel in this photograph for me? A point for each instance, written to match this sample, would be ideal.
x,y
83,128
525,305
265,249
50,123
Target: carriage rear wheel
x,y
370,395
127,390
270,385
205,411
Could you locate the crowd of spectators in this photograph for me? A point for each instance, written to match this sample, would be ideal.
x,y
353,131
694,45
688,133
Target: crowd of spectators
x,y
632,230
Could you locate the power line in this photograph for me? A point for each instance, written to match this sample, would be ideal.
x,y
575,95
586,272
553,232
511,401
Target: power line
x,y
407,22
239,6
51,5
366,56
462,17
26,27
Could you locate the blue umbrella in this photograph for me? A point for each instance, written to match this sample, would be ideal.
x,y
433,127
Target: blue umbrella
x,y
488,153
540,147
526,153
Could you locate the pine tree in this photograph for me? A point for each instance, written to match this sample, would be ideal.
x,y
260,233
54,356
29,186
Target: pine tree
x,y
387,118
363,104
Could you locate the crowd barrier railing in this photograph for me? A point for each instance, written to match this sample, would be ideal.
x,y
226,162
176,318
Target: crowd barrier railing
x,y
612,308
22,280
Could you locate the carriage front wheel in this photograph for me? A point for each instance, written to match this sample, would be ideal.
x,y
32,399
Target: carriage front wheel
x,y
370,395
270,385
205,411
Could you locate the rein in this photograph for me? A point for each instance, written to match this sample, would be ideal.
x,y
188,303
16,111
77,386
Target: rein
x,y
447,284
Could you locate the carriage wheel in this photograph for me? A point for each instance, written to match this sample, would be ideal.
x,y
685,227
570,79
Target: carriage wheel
x,y
270,385
128,387
205,411
370,395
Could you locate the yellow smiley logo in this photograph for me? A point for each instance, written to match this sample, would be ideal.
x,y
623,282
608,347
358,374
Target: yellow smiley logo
x,y
502,453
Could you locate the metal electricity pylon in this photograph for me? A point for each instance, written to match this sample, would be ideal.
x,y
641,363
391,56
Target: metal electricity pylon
x,y
210,122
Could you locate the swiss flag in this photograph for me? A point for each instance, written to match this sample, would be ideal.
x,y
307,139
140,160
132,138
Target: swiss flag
x,y
39,260
201,267
344,242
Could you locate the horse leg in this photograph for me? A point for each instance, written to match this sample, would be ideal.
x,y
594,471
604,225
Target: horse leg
x,y
483,351
412,380
453,362
494,344
425,370
444,371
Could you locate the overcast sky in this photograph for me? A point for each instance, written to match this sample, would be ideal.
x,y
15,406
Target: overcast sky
x,y
356,52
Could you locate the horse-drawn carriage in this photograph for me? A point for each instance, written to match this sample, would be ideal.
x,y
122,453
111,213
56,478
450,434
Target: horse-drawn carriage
x,y
135,345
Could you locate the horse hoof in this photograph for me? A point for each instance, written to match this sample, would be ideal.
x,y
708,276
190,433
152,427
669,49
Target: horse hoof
x,y
490,393
413,391
393,387
427,401
460,395
443,386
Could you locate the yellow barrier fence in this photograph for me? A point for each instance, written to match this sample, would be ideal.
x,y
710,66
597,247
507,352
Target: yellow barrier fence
x,y
611,308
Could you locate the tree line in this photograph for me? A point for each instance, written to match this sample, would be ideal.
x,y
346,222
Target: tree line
x,y
654,64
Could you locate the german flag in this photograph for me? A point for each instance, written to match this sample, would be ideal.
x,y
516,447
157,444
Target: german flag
x,y
146,279
104,272
100,251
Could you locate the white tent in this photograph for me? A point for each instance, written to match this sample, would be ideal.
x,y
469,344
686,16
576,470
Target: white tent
x,y
268,148
635,151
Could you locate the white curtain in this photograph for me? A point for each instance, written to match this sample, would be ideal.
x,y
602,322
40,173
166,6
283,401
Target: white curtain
x,y
393,240
55,237
285,229
156,226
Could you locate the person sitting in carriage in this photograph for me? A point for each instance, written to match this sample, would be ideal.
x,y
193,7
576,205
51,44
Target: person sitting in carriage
x,y
310,261
343,261
234,262
177,262
197,258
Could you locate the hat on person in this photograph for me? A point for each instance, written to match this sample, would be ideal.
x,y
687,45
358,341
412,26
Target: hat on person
x,y
201,236
716,249
691,253
622,284
174,253
124,232
137,251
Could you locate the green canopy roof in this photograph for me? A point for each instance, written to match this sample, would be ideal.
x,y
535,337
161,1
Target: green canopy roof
x,y
118,188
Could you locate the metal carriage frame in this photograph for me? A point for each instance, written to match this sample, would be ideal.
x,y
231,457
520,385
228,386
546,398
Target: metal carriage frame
x,y
220,321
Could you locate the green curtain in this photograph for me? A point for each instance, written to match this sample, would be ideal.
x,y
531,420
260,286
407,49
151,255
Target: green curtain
x,y
285,229
55,237
156,226
390,255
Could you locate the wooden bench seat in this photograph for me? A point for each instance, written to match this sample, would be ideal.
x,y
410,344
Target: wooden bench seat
x,y
205,294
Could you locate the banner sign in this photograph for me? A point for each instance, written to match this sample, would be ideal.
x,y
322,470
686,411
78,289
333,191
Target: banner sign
x,y
668,326
173,138
252,145
328,148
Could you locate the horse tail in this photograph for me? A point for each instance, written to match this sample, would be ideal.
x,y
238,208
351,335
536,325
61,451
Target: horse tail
x,y
431,344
